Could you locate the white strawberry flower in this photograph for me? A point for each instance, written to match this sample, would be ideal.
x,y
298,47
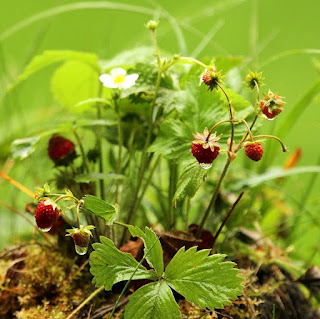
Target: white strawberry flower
x,y
118,78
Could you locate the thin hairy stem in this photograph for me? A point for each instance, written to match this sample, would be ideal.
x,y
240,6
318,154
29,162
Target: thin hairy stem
x,y
284,149
144,159
226,218
213,198
100,146
230,114
83,153
128,282
120,142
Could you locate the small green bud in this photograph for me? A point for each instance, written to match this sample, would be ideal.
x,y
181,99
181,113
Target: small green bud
x,y
152,25
253,79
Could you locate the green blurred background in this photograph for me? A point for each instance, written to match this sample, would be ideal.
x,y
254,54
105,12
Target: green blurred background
x,y
257,30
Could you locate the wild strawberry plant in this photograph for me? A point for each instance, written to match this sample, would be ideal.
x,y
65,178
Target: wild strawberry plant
x,y
130,117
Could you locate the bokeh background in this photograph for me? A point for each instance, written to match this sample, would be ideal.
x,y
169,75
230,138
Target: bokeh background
x,y
279,37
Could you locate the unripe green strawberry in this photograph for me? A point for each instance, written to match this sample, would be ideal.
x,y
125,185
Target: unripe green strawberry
x,y
254,151
211,78
61,150
81,238
47,213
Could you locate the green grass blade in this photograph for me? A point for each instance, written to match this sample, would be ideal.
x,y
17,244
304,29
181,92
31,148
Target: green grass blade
x,y
298,109
72,7
207,38
259,179
285,54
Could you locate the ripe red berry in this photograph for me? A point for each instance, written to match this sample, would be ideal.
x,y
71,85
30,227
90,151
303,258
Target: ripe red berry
x,y
61,150
46,215
204,155
254,151
267,113
57,226
271,105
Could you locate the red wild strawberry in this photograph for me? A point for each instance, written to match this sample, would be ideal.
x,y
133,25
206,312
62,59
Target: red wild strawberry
x,y
57,226
272,105
61,150
204,155
205,149
46,215
254,151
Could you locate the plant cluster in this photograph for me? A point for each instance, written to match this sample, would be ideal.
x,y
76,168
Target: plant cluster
x,y
140,116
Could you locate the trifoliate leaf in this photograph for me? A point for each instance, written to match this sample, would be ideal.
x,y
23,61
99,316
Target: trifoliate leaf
x,y
189,181
202,279
153,301
109,265
96,206
152,247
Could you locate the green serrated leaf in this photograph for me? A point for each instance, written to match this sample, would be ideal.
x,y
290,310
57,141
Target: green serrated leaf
x,y
96,206
50,57
189,181
153,301
154,255
201,109
202,279
109,265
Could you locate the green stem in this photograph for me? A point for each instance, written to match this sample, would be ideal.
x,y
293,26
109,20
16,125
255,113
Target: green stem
x,y
230,115
144,189
128,282
74,199
143,166
99,116
172,184
120,143
213,198
284,149
192,60
78,208
83,153
188,206
215,126
226,218
121,224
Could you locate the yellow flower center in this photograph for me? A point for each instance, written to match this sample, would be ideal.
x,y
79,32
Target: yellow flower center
x,y
119,79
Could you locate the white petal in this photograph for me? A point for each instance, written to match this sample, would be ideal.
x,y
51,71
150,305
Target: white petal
x,y
118,71
129,81
108,82
132,77
105,77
